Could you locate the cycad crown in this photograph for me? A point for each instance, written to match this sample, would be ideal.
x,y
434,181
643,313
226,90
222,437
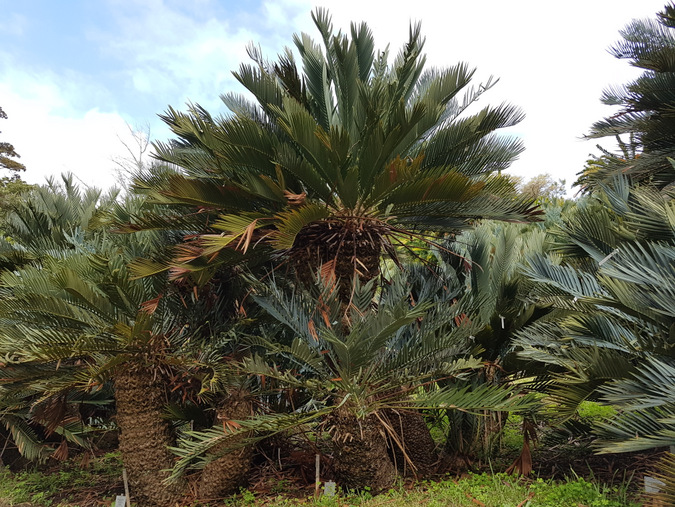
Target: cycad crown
x,y
338,159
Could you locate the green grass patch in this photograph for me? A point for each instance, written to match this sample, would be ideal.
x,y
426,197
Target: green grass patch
x,y
490,490
62,486
71,484
591,411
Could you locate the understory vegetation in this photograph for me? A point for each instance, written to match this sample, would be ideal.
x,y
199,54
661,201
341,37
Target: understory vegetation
x,y
74,488
335,283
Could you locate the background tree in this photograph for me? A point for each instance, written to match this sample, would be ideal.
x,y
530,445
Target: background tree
x,y
12,191
135,161
644,120
543,187
8,154
11,187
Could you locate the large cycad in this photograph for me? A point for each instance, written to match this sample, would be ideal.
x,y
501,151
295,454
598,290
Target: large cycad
x,y
610,336
338,160
361,382
51,221
72,321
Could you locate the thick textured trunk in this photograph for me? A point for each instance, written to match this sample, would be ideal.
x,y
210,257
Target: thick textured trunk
x,y
414,435
360,458
145,437
351,247
227,473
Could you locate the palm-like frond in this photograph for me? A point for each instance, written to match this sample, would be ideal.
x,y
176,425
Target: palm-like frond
x,y
194,447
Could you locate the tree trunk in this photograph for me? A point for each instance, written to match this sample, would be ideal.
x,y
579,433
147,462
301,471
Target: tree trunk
x,y
351,247
360,457
226,474
145,436
414,435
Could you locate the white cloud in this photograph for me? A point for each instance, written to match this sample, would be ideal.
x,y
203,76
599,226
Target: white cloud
x,y
51,143
14,24
164,52
171,54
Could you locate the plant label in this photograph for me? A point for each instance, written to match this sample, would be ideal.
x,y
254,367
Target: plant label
x,y
653,485
329,489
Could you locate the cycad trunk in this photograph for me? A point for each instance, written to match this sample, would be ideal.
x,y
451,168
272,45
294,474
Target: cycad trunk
x,y
227,473
361,459
145,436
351,246
420,448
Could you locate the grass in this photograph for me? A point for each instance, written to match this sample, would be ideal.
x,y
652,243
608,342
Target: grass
x,y
590,411
66,486
488,490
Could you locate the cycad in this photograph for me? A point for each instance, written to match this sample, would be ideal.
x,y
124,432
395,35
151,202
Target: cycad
x,y
646,102
73,321
609,337
51,221
357,381
490,270
82,317
340,159
486,263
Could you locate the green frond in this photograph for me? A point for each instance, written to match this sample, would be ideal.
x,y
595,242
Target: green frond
x,y
476,399
25,439
637,430
652,385
194,447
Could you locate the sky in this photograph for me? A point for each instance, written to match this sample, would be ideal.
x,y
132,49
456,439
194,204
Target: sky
x,y
75,75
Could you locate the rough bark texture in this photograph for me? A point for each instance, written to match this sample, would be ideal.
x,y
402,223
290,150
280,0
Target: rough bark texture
x,y
414,434
227,473
353,246
145,436
360,457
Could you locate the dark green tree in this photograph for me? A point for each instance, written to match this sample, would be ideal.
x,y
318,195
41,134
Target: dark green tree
x,y
8,154
644,122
